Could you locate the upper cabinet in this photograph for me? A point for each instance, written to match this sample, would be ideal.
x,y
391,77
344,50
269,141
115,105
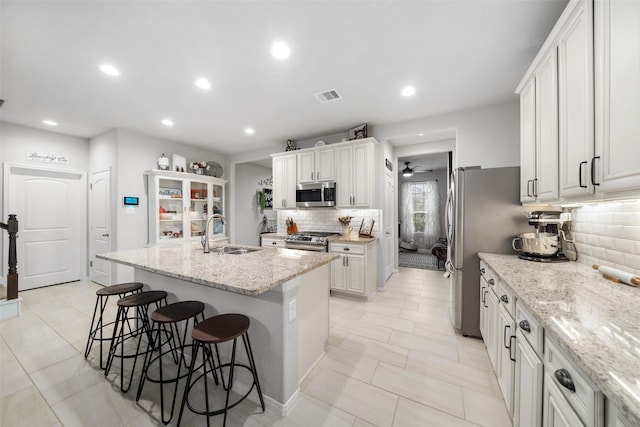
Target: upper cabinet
x,y
580,101
316,165
181,203
284,181
617,84
355,179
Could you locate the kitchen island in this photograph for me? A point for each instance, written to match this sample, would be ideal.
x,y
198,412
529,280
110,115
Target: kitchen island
x,y
284,292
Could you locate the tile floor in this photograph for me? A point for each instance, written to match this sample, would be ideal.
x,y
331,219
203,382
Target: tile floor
x,y
394,361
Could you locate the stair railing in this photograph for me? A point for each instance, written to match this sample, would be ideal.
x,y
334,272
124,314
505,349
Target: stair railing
x,y
12,277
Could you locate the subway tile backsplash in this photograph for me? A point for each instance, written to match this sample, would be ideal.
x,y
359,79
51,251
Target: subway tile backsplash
x,y
326,219
608,234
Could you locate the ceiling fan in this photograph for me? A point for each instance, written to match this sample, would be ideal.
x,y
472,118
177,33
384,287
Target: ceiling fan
x,y
409,171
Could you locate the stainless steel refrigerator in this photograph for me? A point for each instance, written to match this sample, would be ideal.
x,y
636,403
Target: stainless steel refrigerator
x,y
483,215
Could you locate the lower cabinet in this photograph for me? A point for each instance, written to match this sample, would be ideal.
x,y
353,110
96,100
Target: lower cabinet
x,y
271,242
354,273
528,385
506,367
557,411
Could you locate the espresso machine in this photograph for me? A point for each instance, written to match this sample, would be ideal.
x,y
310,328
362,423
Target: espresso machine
x,y
545,244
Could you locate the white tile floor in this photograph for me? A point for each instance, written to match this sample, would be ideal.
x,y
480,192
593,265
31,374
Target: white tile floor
x,y
394,361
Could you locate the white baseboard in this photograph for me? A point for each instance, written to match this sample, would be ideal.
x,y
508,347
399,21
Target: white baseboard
x,y
10,308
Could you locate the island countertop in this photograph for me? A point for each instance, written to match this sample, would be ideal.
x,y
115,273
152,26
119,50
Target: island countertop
x,y
592,319
249,274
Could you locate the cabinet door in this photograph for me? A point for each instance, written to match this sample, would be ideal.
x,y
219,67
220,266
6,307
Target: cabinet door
x,y
355,273
491,340
618,94
344,176
484,289
172,195
338,279
506,367
575,102
527,141
306,167
284,185
199,207
557,411
216,206
528,386
325,164
362,178
290,181
546,181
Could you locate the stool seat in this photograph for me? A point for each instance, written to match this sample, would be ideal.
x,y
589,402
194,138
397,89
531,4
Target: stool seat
x,y
118,289
143,298
221,328
177,312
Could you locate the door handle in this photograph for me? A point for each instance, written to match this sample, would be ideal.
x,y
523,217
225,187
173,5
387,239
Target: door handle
x,y
564,378
528,188
580,175
524,325
485,300
512,347
105,235
504,298
593,171
504,338
535,187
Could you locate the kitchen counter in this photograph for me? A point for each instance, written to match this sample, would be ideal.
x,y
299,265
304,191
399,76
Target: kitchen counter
x,y
594,320
249,274
351,238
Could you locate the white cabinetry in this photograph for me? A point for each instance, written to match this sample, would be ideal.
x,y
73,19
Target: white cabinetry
x,y
272,242
529,371
540,123
355,174
576,102
180,203
505,370
355,271
489,313
558,412
617,83
284,181
316,165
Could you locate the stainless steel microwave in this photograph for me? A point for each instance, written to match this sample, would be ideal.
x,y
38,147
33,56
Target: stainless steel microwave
x,y
316,195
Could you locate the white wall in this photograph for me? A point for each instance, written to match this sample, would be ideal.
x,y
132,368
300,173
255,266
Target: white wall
x,y
248,218
487,137
17,140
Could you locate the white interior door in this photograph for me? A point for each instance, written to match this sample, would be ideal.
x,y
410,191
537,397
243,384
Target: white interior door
x,y
100,226
388,226
50,209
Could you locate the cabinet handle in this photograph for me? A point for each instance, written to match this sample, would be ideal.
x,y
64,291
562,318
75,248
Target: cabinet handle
x,y
504,337
105,235
593,171
535,187
274,243
343,258
491,282
524,325
482,270
512,347
482,294
505,299
485,300
346,249
347,258
564,378
580,175
529,188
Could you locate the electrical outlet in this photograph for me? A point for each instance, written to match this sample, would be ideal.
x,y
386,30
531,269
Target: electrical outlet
x,y
292,310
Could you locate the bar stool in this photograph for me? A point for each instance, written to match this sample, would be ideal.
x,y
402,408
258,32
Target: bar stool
x,y
169,315
103,295
140,302
217,330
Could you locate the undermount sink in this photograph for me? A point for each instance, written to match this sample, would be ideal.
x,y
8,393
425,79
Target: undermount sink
x,y
233,250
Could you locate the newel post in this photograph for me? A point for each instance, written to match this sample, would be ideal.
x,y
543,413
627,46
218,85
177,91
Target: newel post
x,y
12,277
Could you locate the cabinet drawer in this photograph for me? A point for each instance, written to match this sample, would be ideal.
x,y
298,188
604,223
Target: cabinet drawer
x,y
585,400
531,330
346,248
273,243
489,275
507,298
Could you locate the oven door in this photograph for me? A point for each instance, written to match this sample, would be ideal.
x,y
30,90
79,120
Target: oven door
x,y
303,246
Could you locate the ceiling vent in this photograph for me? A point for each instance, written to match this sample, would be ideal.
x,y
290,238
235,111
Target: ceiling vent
x,y
328,96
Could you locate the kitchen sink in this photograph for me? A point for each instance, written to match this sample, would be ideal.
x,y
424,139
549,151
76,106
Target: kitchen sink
x,y
233,250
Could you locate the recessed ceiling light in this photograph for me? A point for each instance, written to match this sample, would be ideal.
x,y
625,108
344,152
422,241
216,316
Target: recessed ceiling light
x,y
203,84
50,122
280,50
109,69
249,131
408,91
167,122
420,134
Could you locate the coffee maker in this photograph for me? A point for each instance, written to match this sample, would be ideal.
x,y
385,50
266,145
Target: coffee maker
x,y
545,244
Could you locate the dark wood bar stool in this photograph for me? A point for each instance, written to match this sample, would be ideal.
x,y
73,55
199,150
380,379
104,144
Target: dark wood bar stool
x,y
122,331
217,330
169,316
97,322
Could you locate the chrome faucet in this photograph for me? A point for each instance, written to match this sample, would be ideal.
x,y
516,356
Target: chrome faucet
x,y
204,240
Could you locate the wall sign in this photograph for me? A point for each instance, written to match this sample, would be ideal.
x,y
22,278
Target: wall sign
x,y
388,164
47,158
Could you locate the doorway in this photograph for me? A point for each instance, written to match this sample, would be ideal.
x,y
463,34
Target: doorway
x,y
51,209
100,226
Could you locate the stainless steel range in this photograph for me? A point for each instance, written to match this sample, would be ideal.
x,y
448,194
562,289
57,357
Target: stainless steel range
x,y
309,241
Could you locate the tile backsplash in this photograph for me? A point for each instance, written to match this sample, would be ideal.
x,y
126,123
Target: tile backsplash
x,y
326,219
608,234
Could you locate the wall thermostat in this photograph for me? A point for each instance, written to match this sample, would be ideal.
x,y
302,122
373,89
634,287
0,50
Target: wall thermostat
x,y
131,201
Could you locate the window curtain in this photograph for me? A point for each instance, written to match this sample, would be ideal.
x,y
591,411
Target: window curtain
x,y
420,212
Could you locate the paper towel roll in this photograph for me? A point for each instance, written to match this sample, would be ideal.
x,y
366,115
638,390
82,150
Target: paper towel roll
x,y
628,278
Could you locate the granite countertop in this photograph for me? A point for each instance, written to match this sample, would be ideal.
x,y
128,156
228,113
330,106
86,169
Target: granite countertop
x,y
594,320
274,235
249,274
351,238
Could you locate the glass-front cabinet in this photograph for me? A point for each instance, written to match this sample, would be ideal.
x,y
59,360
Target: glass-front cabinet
x,y
180,203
